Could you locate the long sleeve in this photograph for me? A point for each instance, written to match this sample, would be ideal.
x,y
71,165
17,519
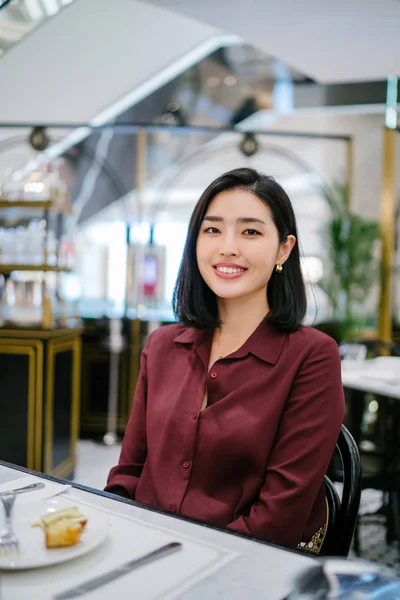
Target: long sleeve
x,y
306,438
124,477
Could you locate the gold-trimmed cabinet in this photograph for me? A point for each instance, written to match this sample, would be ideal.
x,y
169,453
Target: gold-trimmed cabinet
x,y
40,374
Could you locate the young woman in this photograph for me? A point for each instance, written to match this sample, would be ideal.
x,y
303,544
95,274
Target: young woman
x,y
238,407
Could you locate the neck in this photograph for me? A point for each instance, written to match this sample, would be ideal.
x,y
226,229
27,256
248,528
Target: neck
x,y
240,317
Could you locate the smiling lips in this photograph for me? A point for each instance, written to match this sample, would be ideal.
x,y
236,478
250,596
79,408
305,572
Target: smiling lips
x,y
229,270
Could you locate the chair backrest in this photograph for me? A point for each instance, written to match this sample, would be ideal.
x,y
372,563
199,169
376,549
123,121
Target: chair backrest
x,y
343,513
332,497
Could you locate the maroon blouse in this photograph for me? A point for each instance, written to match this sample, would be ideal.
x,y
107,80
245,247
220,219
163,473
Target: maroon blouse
x,y
254,460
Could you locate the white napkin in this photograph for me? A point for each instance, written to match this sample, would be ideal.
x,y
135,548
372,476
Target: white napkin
x,y
50,489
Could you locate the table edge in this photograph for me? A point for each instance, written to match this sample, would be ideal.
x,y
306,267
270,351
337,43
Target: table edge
x,y
193,521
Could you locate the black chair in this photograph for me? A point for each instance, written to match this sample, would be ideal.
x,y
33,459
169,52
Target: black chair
x,y
377,441
343,512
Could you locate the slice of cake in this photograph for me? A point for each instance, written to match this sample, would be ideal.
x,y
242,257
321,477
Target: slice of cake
x,y
63,532
62,527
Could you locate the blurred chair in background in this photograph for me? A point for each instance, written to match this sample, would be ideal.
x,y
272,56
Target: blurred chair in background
x,y
375,423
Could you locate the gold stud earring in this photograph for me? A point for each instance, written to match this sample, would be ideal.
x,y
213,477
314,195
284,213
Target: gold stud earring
x,y
279,268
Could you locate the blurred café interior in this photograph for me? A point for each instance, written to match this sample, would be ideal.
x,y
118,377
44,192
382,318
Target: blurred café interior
x,y
114,116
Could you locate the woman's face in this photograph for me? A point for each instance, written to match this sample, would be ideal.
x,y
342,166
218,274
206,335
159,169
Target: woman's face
x,y
238,245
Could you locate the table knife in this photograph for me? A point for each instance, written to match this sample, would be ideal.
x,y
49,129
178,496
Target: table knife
x,y
96,582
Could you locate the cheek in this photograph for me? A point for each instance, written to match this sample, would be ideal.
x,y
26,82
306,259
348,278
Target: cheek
x,y
198,251
264,255
202,250
200,256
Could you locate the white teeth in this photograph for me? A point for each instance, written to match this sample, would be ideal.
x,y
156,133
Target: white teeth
x,y
229,270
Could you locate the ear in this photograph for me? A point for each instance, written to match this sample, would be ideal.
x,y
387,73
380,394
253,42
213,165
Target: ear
x,y
285,249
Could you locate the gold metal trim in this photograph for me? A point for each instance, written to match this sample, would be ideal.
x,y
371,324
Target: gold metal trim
x,y
22,342
43,204
40,333
38,346
31,412
9,268
55,347
39,407
387,232
48,428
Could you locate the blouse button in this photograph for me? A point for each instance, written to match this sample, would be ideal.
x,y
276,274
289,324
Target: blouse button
x,y
173,509
185,465
213,374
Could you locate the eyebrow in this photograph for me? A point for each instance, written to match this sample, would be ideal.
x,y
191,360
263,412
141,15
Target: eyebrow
x,y
239,220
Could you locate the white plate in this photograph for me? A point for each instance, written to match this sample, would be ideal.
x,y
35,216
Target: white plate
x,y
33,553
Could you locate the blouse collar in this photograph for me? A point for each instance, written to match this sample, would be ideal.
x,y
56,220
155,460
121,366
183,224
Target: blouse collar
x,y
266,342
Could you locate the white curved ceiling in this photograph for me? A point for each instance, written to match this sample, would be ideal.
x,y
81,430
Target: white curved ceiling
x,y
331,41
95,58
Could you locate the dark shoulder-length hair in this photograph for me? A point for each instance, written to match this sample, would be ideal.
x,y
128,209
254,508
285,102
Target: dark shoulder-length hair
x,y
195,304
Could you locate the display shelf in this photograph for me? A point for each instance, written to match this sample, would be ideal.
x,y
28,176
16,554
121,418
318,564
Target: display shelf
x,y
33,250
6,269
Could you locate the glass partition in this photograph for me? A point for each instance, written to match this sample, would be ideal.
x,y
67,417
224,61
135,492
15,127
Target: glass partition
x,y
179,165
130,211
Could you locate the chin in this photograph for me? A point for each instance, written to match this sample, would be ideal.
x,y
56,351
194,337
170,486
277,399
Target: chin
x,y
226,294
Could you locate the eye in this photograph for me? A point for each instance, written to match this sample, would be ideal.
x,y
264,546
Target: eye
x,y
251,232
211,230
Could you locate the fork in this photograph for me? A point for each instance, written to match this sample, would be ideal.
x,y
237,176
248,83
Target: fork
x,y
8,539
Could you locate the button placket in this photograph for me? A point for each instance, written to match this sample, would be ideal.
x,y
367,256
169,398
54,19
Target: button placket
x,y
188,451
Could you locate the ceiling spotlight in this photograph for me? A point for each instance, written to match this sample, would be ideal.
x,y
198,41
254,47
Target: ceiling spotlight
x,y
248,145
173,114
38,139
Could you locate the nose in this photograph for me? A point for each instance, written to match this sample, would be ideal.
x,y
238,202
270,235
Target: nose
x,y
228,246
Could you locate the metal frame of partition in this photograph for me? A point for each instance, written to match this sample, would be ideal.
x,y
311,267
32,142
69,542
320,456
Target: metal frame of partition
x,y
388,209
387,222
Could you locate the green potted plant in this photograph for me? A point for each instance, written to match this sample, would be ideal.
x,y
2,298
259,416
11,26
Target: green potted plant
x,y
351,265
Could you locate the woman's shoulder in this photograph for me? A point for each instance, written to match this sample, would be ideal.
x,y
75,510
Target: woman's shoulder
x,y
164,337
310,337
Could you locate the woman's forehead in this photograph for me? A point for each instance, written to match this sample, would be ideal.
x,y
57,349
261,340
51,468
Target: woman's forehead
x,y
238,203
